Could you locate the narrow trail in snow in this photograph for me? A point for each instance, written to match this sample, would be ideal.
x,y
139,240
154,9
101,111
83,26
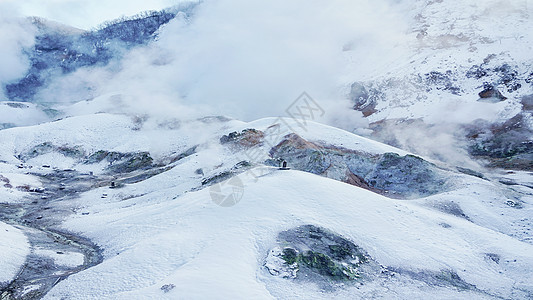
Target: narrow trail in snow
x,y
56,253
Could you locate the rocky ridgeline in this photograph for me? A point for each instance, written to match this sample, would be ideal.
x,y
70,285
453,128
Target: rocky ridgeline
x,y
390,174
115,162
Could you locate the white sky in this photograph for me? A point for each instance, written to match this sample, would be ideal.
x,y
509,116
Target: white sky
x,y
85,14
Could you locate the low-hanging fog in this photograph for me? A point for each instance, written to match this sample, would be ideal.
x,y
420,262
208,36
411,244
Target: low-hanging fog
x,y
247,59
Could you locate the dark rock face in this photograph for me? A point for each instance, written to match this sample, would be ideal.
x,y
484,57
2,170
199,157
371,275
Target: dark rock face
x,y
301,154
388,174
442,81
310,253
490,92
364,100
122,162
57,52
504,75
508,145
185,154
470,172
76,152
225,175
247,138
16,105
117,162
405,175
313,252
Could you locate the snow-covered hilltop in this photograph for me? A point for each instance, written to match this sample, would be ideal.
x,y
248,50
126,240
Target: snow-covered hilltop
x,y
120,179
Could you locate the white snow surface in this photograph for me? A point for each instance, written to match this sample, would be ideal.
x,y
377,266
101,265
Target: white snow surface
x,y
68,259
208,251
163,231
166,231
21,114
449,36
13,185
14,247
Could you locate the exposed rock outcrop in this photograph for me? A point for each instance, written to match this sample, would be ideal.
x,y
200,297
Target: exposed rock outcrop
x,y
508,145
491,92
389,173
311,252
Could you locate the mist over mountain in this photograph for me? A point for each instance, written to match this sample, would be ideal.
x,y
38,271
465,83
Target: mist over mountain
x,y
279,150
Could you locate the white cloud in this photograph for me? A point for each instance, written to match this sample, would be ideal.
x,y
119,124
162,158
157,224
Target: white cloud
x,y
16,34
251,59
86,14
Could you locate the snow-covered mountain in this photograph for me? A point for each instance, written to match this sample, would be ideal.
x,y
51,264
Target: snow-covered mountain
x,y
118,180
465,67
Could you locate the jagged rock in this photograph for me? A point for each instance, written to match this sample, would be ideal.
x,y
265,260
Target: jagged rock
x,y
235,170
353,179
389,173
493,257
491,92
187,153
167,287
501,75
16,105
247,138
364,101
301,154
442,81
476,72
405,175
470,172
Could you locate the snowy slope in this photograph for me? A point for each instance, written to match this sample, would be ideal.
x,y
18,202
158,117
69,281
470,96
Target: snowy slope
x,y
214,252
428,75
167,230
13,250
163,230
120,198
